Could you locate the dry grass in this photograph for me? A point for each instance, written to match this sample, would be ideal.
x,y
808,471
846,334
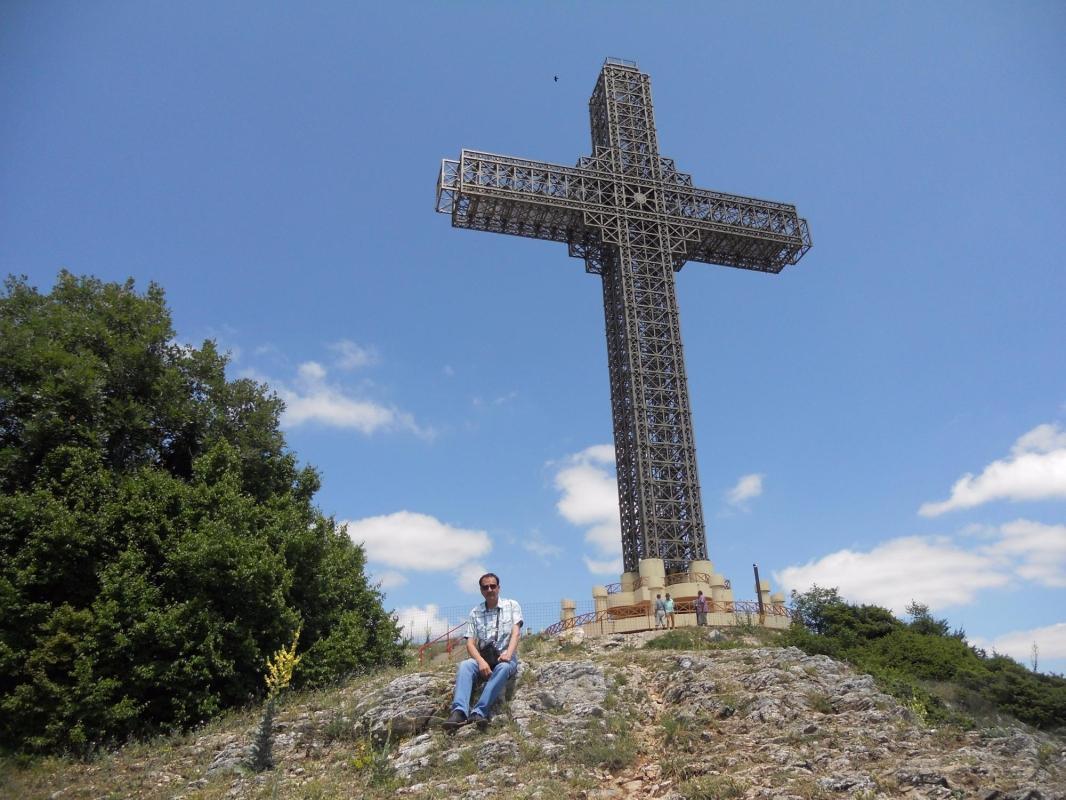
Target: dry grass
x,y
639,740
342,763
173,766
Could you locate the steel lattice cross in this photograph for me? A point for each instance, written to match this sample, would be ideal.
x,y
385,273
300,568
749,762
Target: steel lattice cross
x,y
635,219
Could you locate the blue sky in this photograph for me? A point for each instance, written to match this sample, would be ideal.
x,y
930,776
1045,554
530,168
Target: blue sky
x,y
889,416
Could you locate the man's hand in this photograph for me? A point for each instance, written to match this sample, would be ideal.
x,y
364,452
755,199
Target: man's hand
x,y
506,656
484,668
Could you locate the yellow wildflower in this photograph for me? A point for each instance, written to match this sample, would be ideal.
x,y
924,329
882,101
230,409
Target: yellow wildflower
x,y
280,667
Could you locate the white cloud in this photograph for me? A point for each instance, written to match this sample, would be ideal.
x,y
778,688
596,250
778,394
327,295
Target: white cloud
x,y
536,545
606,538
1035,470
499,400
407,540
388,579
1034,540
932,571
1047,574
938,571
422,623
589,498
466,577
1045,438
1050,641
747,487
1040,548
311,372
612,567
315,400
980,529
352,356
603,453
333,408
589,490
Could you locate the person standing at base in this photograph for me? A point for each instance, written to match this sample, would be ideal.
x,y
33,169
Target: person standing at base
x,y
670,610
660,612
492,633
701,608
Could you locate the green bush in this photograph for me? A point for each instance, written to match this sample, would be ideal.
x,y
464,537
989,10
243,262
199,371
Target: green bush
x,y
909,658
157,539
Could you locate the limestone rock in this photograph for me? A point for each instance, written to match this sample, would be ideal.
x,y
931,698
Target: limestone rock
x,y
761,724
494,752
232,757
413,755
404,707
568,690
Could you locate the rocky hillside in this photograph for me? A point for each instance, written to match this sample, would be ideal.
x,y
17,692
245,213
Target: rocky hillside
x,y
607,718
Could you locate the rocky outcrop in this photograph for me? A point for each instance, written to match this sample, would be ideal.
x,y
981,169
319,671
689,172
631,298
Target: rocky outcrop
x,y
767,722
403,708
608,719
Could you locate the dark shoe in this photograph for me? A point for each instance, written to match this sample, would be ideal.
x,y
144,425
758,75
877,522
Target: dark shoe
x,y
481,722
455,721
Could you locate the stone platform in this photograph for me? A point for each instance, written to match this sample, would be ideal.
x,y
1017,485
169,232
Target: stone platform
x,y
628,606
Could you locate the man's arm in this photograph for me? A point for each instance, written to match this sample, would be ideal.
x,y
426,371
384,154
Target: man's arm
x,y
471,645
512,644
471,649
516,631
482,665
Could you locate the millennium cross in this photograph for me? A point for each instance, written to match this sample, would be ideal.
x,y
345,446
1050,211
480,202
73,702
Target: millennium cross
x,y
635,220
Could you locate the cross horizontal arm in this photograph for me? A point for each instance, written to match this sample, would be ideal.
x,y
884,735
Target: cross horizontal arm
x,y
736,231
501,194
536,199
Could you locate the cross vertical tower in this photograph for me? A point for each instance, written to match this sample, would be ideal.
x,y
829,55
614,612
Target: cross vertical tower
x,y
635,220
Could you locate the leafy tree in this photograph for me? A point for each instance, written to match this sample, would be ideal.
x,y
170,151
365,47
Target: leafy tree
x,y
922,621
811,607
824,612
157,538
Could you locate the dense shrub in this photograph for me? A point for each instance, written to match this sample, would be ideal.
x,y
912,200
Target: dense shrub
x,y
911,659
157,539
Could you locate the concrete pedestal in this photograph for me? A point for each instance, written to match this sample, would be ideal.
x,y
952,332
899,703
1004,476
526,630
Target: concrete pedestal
x,y
631,606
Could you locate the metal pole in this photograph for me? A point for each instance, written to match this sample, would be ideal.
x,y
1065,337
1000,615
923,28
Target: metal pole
x,y
758,594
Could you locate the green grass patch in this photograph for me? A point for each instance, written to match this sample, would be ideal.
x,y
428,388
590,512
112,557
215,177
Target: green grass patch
x,y
691,639
609,744
820,702
682,732
712,787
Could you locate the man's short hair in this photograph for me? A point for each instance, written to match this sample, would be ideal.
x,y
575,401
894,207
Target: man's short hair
x,y
488,575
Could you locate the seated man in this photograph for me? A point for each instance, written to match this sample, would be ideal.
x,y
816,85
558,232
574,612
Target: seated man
x,y
497,621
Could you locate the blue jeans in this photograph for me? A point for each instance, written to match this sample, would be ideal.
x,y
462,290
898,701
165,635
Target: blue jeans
x,y
464,683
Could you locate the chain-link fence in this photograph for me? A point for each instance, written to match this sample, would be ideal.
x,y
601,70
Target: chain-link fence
x,y
425,624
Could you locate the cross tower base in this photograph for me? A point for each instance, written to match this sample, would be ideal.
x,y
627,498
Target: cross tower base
x,y
629,605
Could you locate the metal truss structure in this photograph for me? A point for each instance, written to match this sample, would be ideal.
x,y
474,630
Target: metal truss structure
x,y
635,220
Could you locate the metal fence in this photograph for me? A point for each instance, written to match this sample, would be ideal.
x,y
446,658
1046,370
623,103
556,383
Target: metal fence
x,y
435,621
